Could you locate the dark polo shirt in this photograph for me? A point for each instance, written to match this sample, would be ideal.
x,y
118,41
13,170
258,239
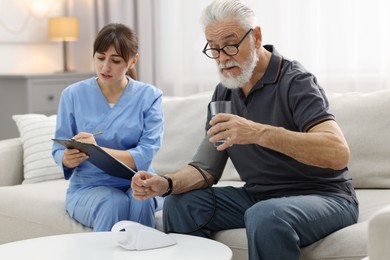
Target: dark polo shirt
x,y
286,96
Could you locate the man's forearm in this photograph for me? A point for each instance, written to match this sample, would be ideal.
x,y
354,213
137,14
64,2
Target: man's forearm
x,y
321,147
188,178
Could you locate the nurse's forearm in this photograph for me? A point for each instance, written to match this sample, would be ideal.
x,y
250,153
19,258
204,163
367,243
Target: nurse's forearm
x,y
123,156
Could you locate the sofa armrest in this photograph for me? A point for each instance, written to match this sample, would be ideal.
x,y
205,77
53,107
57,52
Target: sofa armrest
x,y
379,235
11,162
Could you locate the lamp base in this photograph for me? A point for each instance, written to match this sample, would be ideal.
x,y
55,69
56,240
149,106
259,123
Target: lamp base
x,y
65,56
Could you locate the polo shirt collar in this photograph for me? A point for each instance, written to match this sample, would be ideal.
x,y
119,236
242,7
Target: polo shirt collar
x,y
272,72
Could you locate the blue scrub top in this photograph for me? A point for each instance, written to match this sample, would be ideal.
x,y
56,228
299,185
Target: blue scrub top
x,y
134,123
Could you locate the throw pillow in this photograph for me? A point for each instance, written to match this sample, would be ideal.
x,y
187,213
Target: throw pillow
x,y
36,131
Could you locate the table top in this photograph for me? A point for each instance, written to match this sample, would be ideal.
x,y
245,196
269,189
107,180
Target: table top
x,y
103,245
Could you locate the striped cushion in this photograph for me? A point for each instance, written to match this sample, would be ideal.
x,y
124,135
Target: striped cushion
x,y
36,131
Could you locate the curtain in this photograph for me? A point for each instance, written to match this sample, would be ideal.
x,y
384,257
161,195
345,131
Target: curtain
x,y
343,42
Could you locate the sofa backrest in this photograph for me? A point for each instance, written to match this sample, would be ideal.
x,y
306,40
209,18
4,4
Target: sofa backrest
x,y
184,119
11,162
363,117
365,121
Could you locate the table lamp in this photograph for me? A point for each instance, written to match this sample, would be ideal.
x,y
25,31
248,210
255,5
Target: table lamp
x,y
65,29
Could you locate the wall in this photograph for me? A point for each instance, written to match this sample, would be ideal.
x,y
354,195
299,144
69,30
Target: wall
x,y
22,24
343,42
26,47
24,43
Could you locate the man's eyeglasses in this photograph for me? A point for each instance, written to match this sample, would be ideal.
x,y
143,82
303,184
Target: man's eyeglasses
x,y
230,49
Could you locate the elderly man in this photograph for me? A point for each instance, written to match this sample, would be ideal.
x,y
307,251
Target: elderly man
x,y
281,138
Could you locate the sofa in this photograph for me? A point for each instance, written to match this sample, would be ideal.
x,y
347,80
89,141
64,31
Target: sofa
x,y
32,192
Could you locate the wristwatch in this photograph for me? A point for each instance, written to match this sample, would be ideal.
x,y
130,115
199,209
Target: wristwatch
x,y
169,190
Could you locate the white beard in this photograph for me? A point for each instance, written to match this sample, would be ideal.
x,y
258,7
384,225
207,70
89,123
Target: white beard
x,y
247,71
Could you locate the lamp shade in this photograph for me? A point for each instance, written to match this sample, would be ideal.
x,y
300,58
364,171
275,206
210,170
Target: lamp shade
x,y
64,28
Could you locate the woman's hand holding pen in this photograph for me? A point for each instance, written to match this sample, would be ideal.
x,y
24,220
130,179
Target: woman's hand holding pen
x,y
73,157
85,137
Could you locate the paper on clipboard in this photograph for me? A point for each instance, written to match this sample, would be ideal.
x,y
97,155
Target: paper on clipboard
x,y
100,158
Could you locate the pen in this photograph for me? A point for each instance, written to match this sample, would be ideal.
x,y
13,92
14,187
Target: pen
x,y
94,134
97,133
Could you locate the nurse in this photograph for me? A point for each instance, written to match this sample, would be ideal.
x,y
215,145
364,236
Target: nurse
x,y
128,114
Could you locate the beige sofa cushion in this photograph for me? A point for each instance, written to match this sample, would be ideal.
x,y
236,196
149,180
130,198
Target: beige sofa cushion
x,y
33,210
365,121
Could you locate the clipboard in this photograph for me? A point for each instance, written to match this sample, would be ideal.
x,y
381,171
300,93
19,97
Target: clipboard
x,y
99,158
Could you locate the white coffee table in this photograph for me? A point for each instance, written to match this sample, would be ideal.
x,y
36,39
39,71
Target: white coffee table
x,y
103,245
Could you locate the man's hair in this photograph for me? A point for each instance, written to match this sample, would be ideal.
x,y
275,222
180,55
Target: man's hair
x,y
221,10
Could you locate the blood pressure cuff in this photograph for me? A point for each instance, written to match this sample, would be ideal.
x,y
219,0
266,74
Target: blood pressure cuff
x,y
208,158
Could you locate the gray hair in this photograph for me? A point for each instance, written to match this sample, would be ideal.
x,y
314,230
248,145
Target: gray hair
x,y
220,10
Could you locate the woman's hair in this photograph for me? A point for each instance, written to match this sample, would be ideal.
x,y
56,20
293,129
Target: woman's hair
x,y
222,10
122,38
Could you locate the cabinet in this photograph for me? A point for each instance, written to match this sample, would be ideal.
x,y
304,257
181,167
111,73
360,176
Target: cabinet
x,y
21,94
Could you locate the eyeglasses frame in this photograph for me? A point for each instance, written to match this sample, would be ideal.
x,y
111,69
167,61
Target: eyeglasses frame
x,y
228,45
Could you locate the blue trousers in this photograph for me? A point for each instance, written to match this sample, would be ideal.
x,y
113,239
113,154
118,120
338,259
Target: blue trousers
x,y
101,207
276,228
